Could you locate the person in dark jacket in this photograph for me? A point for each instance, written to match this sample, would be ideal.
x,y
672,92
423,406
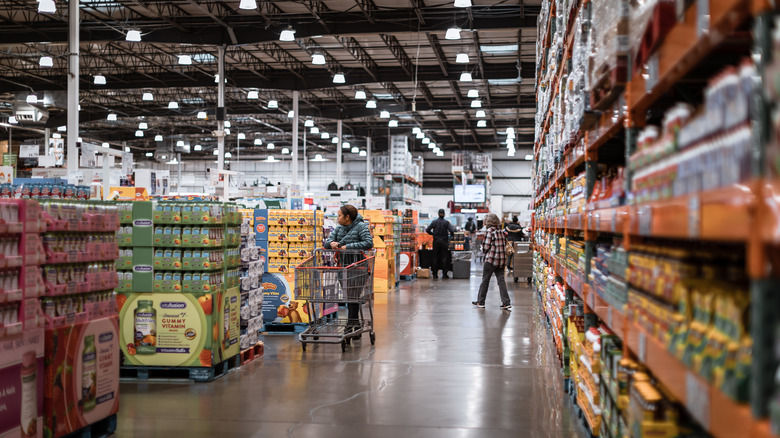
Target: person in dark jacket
x,y
471,229
441,230
514,233
351,234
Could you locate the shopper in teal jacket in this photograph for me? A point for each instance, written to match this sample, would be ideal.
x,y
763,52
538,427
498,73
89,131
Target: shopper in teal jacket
x,y
351,234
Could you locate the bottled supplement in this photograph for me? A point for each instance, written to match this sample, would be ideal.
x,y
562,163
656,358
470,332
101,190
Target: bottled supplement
x,y
145,327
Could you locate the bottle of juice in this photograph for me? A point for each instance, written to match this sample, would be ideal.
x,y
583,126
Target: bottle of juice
x,y
29,374
145,327
88,374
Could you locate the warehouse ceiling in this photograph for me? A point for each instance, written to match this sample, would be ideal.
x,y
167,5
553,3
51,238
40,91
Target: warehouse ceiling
x,y
395,53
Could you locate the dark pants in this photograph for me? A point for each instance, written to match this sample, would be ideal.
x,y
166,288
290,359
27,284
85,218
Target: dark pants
x,y
487,270
353,286
441,248
467,245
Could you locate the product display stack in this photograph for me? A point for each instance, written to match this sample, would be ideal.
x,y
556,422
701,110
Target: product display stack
x,y
178,294
655,210
382,225
252,268
81,384
22,323
409,261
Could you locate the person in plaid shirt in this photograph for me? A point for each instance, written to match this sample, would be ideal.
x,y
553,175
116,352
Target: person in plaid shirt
x,y
494,248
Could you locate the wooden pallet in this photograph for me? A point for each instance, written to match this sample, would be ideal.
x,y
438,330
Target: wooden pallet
x,y
609,85
179,374
101,428
252,353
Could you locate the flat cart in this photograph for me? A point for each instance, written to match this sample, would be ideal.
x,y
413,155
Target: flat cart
x,y
522,261
330,277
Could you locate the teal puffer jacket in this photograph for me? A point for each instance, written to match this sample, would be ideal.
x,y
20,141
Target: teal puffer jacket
x,y
354,236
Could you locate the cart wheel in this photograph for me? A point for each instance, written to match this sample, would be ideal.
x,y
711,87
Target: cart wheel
x,y
303,345
372,336
516,279
343,346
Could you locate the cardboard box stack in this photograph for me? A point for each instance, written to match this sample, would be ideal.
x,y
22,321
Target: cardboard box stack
x,y
252,268
182,256
82,326
382,224
408,260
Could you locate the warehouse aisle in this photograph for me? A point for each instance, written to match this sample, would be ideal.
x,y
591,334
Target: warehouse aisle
x,y
440,368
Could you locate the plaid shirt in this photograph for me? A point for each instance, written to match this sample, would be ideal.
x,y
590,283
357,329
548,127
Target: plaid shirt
x,y
494,247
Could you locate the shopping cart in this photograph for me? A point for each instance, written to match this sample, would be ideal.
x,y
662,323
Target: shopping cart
x,y
336,276
522,261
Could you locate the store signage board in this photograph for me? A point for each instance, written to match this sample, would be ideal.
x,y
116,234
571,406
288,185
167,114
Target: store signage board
x,y
127,163
29,150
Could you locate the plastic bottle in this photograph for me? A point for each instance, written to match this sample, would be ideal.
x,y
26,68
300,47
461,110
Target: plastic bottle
x,y
145,327
29,375
88,374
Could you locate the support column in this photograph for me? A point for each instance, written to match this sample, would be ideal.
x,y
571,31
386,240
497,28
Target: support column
x,y
294,169
368,166
339,173
221,110
46,140
73,87
178,158
305,164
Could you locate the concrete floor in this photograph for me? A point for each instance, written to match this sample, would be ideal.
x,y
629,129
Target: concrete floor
x,y
440,368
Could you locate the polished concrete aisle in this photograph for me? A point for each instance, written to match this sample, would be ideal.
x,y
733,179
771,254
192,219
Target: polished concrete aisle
x,y
440,368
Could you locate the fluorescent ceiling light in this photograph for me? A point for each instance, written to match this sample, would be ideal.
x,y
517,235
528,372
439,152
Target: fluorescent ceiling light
x,y
453,33
105,145
384,115
149,154
173,105
318,59
481,114
393,123
432,146
473,93
334,140
271,159
227,124
185,60
318,157
198,147
509,142
462,3
147,96
32,98
426,140
216,152
345,145
529,157
355,150
227,131
180,143
482,124
309,123
371,104
127,148
420,135
362,153
80,140
466,77
476,104
143,125
462,58
510,153
285,151
46,61
241,136
62,128
158,137
502,48
500,82
273,104
416,130
202,115
360,94
247,4
252,94
339,78
133,35
258,141
291,114
287,35
139,133
510,135
111,117
100,80
228,155
325,136
440,154
55,135
46,7
510,129
315,130
271,146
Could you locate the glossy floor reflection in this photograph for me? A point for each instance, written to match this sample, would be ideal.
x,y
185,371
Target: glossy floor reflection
x,y
440,368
